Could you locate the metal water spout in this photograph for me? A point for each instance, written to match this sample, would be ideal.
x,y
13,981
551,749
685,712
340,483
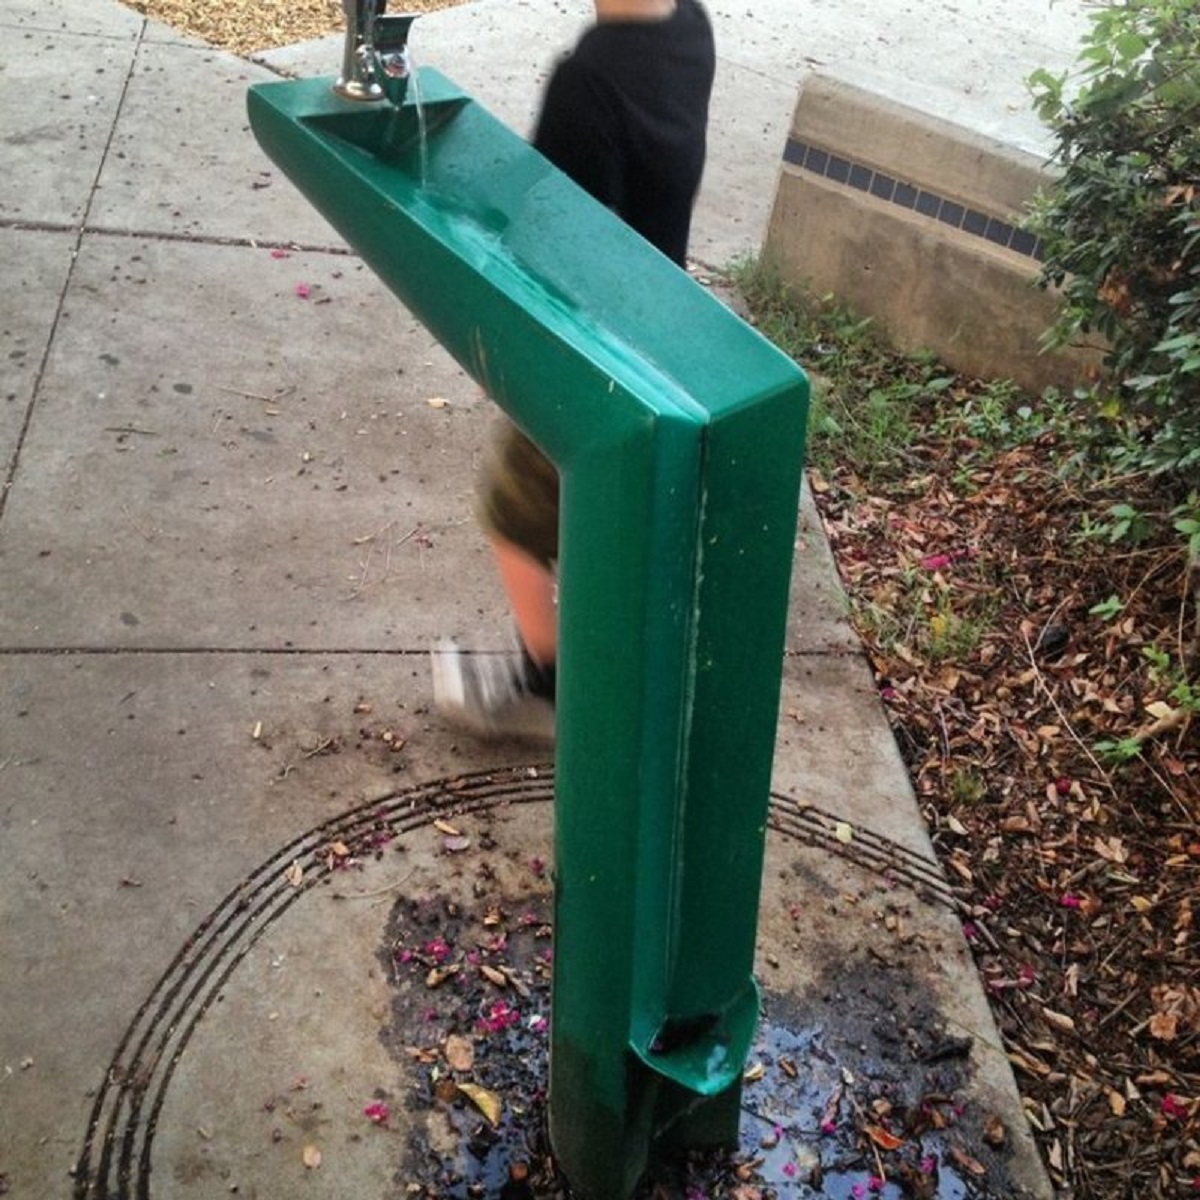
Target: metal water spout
x,y
375,63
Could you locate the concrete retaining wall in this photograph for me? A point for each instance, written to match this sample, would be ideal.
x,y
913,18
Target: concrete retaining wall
x,y
914,221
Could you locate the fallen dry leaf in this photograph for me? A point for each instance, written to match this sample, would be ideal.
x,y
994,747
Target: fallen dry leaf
x,y
460,1052
438,975
311,1157
994,1132
967,1162
1059,1020
487,1102
493,976
883,1138
295,874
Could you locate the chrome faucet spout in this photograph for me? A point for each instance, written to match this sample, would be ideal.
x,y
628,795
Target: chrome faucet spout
x,y
375,56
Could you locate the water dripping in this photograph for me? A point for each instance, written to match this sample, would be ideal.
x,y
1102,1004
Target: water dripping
x,y
414,85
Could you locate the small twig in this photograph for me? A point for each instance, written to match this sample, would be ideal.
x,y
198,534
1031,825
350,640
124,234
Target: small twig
x,y
392,887
369,541
985,933
1062,716
1120,1008
148,536
1191,584
862,1116
130,429
360,587
1166,787
279,395
945,733
321,747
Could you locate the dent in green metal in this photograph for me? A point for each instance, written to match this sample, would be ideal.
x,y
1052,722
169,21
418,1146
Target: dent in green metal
x,y
678,433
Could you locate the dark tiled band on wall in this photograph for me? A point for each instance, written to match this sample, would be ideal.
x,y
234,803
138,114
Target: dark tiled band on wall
x,y
906,195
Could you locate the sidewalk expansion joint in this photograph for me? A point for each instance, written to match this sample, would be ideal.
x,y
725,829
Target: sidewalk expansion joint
x,y
169,235
67,651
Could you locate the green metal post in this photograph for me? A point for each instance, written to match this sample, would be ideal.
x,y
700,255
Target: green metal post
x,y
678,433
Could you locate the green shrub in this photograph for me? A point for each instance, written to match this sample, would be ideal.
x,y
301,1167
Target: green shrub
x,y
1121,227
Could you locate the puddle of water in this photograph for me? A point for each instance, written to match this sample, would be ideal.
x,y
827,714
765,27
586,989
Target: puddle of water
x,y
833,1111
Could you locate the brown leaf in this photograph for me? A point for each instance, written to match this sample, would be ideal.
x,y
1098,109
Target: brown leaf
x,y
493,976
439,975
884,1139
295,873
1028,1063
964,1160
460,1052
487,1102
1174,1005
1164,1026
994,1132
1059,1020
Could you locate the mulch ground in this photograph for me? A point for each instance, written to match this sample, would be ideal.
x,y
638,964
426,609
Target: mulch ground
x,y
248,26
975,594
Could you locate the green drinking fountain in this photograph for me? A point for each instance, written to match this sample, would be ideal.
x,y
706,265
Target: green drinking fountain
x,y
678,433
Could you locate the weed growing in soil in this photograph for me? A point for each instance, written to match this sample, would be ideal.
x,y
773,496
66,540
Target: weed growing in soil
x,y
1031,618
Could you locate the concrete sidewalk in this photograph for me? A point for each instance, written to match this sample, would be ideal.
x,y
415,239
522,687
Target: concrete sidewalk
x,y
237,511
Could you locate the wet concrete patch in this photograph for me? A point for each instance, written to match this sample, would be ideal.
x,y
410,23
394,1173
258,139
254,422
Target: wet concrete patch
x,y
367,1014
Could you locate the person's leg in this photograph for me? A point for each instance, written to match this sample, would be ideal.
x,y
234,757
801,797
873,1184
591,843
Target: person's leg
x,y
532,594
496,694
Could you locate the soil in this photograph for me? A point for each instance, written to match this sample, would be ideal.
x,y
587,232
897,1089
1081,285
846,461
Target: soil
x,y
1058,770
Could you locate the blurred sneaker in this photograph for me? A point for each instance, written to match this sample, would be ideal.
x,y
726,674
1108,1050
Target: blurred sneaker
x,y
494,694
